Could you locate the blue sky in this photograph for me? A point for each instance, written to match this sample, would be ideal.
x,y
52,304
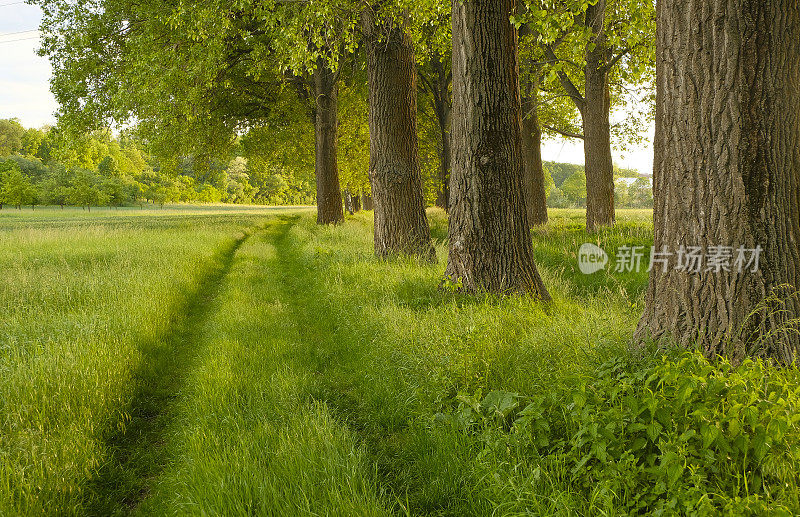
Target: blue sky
x,y
25,91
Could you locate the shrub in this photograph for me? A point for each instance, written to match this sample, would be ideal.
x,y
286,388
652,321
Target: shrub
x,y
680,434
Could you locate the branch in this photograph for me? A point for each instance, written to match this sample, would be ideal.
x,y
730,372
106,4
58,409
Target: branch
x,y
562,132
608,66
567,83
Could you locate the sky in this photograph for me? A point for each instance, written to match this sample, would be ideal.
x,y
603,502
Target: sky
x,y
25,90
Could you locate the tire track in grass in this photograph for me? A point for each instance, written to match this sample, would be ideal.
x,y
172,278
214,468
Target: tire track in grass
x,y
335,358
418,471
123,481
246,436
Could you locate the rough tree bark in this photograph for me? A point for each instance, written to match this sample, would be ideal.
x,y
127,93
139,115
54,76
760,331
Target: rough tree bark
x,y
535,192
597,126
401,224
490,245
326,123
726,174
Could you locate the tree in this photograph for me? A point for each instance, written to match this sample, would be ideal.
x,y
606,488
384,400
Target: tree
x,y
56,186
727,156
108,167
574,188
114,191
11,136
640,193
433,43
32,141
490,245
601,40
401,225
84,191
221,65
533,68
326,125
17,189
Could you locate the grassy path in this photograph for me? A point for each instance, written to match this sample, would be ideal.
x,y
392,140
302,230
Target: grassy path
x,y
248,438
137,447
307,400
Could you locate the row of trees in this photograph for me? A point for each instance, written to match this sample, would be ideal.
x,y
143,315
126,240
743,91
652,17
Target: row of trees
x,y
499,73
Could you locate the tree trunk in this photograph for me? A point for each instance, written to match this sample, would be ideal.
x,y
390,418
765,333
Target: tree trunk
x,y
348,201
401,225
367,201
490,246
329,195
535,193
443,195
356,203
597,126
727,156
443,107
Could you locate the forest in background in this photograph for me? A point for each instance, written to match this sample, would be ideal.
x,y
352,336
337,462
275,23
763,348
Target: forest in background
x,y
266,167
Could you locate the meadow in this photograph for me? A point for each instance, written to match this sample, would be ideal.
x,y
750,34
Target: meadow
x,y
221,361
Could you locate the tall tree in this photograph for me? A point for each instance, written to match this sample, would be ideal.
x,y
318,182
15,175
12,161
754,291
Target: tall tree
x,y
602,40
535,188
490,245
727,157
401,225
436,80
326,93
431,23
218,70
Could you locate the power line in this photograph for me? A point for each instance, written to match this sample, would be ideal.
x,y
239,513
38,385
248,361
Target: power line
x,y
18,32
12,3
19,39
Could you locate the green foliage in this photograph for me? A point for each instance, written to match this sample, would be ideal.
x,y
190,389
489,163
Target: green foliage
x,y
15,188
560,36
574,188
97,169
679,435
11,137
641,193
561,171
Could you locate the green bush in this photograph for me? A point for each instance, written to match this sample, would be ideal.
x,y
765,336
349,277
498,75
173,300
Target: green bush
x,y
678,435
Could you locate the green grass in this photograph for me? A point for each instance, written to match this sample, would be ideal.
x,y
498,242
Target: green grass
x,y
254,363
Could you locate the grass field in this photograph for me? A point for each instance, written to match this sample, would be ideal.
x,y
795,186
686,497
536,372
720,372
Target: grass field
x,y
219,361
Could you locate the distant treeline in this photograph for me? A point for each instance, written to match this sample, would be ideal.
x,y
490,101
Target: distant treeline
x,y
566,187
43,167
